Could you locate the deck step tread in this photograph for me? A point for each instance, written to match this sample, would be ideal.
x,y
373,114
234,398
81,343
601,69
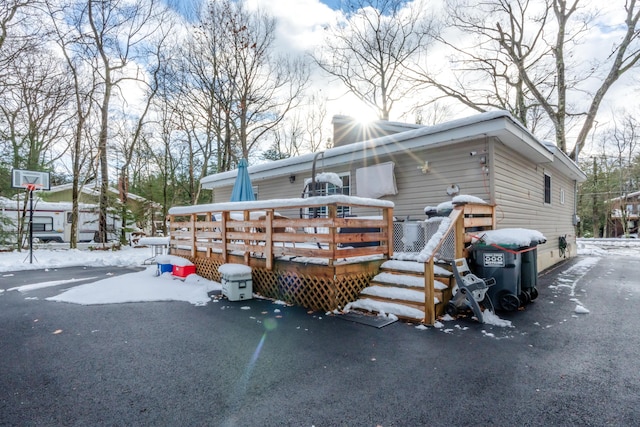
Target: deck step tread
x,y
403,280
394,293
414,267
400,310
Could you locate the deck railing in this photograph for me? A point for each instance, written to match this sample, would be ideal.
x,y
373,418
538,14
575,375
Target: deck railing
x,y
451,242
259,229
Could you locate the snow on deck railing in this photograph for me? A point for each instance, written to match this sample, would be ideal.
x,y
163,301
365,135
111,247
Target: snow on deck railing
x,y
340,199
256,229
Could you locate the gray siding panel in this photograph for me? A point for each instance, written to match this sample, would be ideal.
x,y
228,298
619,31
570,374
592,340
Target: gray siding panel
x,y
519,194
448,165
518,188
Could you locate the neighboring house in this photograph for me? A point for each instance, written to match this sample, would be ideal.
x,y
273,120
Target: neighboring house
x,y
146,213
52,220
625,209
490,156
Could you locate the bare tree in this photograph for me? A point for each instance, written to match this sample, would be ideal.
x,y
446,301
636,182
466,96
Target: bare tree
x,y
369,52
20,31
527,51
79,68
265,85
316,113
34,110
623,141
235,88
119,32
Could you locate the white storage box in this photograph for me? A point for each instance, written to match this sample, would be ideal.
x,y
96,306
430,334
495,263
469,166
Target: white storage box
x,y
237,284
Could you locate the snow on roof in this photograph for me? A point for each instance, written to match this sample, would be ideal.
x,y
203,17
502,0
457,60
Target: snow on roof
x,y
626,196
41,205
93,191
510,236
494,123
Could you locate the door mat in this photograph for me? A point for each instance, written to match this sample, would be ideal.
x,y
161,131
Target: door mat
x,y
375,321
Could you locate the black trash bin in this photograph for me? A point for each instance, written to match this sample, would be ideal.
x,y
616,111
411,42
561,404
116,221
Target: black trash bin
x,y
529,278
504,264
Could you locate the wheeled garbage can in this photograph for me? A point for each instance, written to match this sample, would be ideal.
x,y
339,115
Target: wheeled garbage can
x,y
529,278
504,264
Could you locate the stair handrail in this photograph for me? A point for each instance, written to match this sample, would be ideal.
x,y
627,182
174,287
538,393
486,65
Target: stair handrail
x,y
456,224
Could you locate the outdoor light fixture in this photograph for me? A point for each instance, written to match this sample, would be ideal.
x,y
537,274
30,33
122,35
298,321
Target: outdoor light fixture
x,y
424,168
292,178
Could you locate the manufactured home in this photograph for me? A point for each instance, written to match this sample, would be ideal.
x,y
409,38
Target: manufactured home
x,y
532,184
624,217
52,220
146,213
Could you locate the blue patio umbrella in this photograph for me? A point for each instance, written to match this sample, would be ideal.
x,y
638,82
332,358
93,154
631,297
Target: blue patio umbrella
x,y
242,190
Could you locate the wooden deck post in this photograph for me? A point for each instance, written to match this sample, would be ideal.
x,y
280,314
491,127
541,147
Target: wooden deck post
x,y
209,218
247,254
332,210
268,250
225,218
429,305
387,215
194,247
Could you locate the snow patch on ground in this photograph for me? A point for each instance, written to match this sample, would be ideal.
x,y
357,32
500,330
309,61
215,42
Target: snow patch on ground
x,y
142,286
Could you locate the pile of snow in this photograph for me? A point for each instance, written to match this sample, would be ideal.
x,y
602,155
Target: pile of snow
x,y
173,260
142,286
580,309
491,318
447,206
153,241
234,269
51,258
326,177
465,198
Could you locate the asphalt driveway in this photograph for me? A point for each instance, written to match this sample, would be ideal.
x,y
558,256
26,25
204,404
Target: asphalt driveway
x,y
256,363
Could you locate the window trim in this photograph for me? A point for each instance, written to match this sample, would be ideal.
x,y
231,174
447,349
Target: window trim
x,y
342,210
547,190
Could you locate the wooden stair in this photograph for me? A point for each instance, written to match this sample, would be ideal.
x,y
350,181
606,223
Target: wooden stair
x,y
399,290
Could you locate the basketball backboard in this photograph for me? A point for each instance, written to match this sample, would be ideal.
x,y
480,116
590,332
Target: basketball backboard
x,y
23,179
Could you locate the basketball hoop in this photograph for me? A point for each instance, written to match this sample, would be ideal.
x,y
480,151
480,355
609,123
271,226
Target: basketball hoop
x,y
32,187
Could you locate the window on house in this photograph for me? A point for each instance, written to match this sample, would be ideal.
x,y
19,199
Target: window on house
x,y
330,189
547,188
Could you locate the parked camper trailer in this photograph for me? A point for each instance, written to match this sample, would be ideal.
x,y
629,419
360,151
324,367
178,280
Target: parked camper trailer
x,y
52,220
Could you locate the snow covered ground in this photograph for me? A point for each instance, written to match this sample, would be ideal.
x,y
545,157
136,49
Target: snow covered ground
x,y
146,285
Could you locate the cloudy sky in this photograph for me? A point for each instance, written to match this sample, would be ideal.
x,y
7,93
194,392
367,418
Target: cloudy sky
x,y
301,26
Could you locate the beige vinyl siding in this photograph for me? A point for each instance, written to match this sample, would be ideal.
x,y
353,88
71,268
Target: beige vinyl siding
x,y
447,165
519,195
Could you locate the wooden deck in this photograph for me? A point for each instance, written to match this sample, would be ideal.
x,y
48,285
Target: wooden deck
x,y
311,262
318,263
